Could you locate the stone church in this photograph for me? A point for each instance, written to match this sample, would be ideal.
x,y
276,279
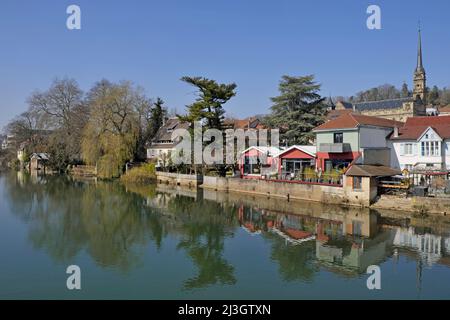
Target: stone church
x,y
395,109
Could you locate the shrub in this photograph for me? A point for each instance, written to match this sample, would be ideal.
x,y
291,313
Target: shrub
x,y
142,174
310,174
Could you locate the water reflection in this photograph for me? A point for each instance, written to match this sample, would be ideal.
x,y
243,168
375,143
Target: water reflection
x,y
115,223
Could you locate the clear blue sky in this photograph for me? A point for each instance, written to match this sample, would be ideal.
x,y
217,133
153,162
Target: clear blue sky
x,y
250,42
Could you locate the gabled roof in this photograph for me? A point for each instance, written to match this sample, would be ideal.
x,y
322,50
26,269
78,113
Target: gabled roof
x,y
364,170
336,113
353,121
247,123
382,104
426,130
165,132
311,150
271,151
415,127
40,156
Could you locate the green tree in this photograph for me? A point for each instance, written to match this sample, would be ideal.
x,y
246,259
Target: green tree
x,y
158,113
405,91
433,95
111,135
445,96
383,92
298,109
208,106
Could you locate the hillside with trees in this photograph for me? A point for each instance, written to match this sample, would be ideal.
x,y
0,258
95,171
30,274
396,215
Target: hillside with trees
x,y
435,95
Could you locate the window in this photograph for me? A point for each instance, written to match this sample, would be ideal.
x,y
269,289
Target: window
x,y
357,228
430,148
338,137
408,149
357,183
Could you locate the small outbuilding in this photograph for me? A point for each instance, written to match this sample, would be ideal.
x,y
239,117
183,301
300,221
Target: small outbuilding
x,y
38,161
361,181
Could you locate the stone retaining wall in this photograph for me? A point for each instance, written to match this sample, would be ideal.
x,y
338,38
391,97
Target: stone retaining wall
x,y
286,190
419,205
179,179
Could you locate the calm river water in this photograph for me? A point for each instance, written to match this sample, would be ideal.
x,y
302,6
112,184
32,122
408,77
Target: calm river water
x,y
157,242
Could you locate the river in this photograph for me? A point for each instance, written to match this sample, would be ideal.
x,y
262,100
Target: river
x,y
161,242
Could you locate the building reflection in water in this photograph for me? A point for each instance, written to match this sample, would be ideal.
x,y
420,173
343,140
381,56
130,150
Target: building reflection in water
x,y
348,243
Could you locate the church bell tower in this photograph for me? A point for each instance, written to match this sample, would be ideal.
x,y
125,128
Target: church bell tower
x,y
419,92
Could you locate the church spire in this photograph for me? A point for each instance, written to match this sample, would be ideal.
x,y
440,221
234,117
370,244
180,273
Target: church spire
x,y
419,74
419,67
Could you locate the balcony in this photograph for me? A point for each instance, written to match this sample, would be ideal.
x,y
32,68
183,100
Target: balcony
x,y
334,147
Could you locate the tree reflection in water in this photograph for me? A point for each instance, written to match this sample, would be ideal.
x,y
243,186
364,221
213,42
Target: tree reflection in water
x,y
114,226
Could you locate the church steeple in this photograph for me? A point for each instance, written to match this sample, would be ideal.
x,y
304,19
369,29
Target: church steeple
x,y
419,74
419,67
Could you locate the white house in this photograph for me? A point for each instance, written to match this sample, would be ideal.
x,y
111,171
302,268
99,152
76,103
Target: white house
x,y
162,145
422,143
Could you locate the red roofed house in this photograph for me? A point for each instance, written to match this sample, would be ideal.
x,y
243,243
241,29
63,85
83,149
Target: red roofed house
x,y
422,143
295,159
353,136
246,124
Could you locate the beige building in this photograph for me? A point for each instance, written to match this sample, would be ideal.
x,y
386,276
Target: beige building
x,y
396,109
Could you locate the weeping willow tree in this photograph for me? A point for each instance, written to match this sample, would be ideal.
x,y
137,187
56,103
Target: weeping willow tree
x,y
111,135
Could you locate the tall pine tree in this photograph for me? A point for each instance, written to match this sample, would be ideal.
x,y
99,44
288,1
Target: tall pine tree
x,y
158,113
297,110
405,91
208,107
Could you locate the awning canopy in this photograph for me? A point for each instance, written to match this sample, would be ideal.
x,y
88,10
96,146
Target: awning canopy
x,y
364,170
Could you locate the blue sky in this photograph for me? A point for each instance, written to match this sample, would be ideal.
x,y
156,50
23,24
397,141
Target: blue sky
x,y
250,42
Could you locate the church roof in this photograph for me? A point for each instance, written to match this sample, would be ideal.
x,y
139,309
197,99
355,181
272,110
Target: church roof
x,y
345,104
382,104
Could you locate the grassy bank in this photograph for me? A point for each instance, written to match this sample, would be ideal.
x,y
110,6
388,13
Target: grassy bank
x,y
142,174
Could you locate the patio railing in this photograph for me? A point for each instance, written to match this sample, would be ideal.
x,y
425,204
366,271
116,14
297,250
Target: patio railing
x,y
335,178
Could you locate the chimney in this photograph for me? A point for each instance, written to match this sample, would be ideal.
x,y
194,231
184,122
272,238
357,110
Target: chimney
x,y
395,132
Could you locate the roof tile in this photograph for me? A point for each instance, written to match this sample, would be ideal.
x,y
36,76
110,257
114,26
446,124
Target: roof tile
x,y
352,120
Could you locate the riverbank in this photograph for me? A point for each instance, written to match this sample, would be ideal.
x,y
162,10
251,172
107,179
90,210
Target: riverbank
x,y
284,192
